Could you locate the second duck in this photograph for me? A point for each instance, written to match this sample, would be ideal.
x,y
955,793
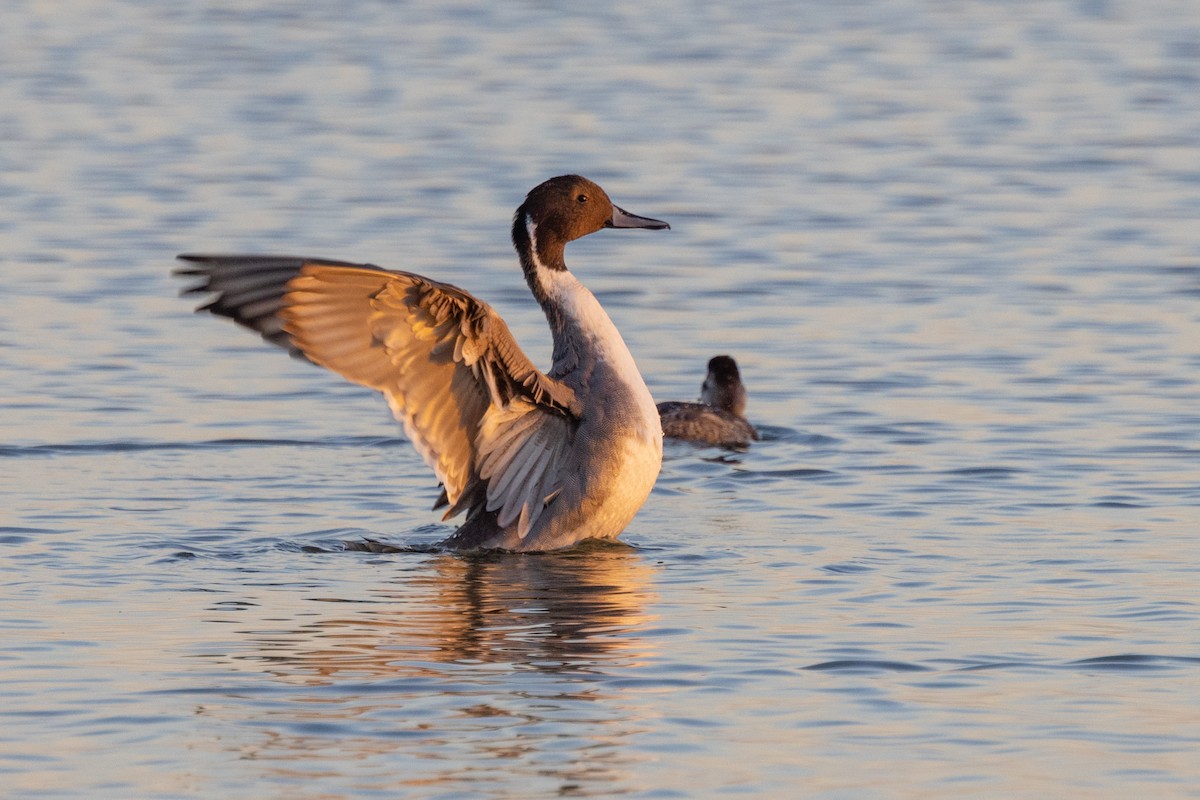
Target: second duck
x,y
719,418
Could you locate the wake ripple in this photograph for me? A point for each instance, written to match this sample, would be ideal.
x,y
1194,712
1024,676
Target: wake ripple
x,y
1123,662
106,448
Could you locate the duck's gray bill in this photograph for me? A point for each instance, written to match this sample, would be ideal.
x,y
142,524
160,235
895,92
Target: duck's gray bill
x,y
623,219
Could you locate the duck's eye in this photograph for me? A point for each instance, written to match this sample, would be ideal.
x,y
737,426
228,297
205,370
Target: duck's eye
x,y
581,198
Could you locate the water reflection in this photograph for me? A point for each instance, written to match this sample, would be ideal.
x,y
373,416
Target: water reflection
x,y
556,613
455,661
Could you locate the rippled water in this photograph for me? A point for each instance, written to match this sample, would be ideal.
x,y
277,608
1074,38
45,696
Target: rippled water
x,y
954,246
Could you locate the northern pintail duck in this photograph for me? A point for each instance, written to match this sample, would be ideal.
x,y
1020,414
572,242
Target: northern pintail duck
x,y
719,418
538,461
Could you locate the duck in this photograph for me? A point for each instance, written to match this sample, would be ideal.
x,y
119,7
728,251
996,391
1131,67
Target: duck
x,y
535,460
719,418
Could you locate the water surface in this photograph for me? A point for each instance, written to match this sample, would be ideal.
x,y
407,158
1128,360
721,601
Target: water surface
x,y
953,247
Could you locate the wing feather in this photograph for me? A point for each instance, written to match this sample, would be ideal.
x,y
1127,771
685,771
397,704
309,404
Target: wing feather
x,y
494,429
523,449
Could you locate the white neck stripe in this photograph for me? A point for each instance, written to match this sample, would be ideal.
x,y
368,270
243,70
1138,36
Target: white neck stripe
x,y
531,229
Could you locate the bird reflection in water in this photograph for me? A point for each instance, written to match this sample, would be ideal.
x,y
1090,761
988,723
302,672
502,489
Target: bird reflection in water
x,y
571,611
483,670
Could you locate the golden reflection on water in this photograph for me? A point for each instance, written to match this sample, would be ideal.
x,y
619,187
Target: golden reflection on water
x,y
455,662
555,612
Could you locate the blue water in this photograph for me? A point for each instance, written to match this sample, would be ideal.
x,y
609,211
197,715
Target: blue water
x,y
954,247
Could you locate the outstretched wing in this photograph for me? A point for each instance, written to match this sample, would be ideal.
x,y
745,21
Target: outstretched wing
x,y
491,425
